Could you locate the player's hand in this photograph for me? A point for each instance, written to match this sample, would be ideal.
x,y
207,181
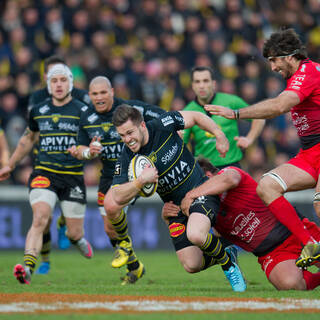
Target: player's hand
x,y
243,142
219,111
148,175
222,145
74,151
95,146
169,210
185,204
5,172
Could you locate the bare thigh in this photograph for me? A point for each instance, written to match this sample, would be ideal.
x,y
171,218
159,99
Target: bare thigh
x,y
286,275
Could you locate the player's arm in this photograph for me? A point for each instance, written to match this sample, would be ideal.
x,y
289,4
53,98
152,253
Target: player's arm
x,y
254,132
229,179
124,193
83,152
4,150
266,109
24,147
204,122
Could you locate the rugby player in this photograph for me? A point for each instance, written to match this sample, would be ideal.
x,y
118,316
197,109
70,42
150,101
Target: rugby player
x,y
176,172
97,126
56,174
246,221
287,56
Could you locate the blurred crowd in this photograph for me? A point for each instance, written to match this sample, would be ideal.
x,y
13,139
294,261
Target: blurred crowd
x,y
147,48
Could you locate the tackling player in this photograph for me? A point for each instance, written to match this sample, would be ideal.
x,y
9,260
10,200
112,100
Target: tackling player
x,y
56,174
250,225
301,97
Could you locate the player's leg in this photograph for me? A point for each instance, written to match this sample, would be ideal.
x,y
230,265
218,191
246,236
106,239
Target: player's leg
x,y
135,268
44,266
271,189
74,214
63,241
42,202
202,216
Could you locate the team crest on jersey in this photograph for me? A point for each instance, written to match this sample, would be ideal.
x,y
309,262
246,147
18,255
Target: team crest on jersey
x,y
153,157
56,117
40,182
176,229
106,126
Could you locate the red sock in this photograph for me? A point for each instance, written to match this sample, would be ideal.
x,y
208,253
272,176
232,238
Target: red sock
x,y
286,214
312,279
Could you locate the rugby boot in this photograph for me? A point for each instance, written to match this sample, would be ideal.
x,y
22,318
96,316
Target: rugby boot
x,y
85,248
44,268
134,275
122,254
310,255
22,274
235,278
63,241
233,253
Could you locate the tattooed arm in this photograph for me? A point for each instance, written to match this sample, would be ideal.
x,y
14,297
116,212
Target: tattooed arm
x,y
24,146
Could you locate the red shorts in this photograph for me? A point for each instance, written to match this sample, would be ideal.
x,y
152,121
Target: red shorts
x,y
289,249
308,160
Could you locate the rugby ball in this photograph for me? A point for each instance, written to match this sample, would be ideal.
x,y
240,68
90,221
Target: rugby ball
x,y
136,166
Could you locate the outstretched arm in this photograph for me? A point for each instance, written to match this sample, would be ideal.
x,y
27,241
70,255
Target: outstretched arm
x,y
4,150
204,122
217,184
266,109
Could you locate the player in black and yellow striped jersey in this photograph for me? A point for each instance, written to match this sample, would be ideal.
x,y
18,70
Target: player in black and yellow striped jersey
x,y
56,174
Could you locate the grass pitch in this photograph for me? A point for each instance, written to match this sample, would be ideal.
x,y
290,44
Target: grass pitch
x,y
72,274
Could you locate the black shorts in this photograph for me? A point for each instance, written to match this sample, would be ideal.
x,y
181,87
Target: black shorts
x,y
207,205
66,186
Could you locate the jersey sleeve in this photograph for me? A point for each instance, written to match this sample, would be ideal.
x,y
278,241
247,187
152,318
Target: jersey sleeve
x,y
120,174
171,121
33,125
148,111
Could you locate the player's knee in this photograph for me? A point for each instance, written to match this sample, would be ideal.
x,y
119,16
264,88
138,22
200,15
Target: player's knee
x,y
195,237
191,266
75,233
40,219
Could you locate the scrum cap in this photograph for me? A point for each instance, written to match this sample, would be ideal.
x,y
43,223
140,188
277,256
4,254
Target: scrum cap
x,y
60,69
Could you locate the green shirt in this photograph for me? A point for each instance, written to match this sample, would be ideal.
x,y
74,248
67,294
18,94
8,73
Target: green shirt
x,y
205,143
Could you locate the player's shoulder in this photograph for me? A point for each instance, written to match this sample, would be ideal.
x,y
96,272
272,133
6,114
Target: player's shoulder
x,y
193,106
39,96
81,95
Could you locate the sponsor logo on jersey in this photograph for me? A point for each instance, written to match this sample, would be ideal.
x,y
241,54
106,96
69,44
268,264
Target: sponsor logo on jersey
x,y
167,120
76,193
176,229
84,108
40,182
140,109
173,177
55,117
44,109
92,118
106,126
170,154
112,151
100,198
244,226
152,114
59,143
117,169
86,99
199,200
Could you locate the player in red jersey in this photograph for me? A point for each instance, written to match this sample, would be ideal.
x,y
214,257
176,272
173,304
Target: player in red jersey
x,y
247,222
288,57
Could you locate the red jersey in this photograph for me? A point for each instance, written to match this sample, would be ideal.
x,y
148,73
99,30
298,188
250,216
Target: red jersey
x,y
305,82
245,220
